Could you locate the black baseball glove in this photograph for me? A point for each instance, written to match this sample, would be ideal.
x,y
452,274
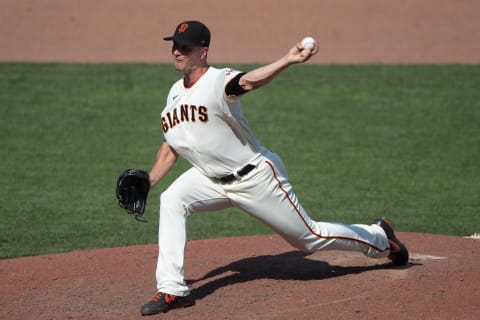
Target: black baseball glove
x,y
133,186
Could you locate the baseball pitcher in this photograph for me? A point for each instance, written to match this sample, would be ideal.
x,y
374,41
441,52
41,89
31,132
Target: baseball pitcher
x,y
203,122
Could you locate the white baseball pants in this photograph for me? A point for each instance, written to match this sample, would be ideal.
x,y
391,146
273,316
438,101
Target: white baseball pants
x,y
266,194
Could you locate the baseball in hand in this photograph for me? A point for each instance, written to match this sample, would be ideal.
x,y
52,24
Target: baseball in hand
x,y
308,43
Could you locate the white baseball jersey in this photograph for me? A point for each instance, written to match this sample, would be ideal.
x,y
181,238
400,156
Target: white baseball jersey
x,y
194,119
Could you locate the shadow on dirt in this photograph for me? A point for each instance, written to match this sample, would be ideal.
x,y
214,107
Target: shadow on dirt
x,y
293,265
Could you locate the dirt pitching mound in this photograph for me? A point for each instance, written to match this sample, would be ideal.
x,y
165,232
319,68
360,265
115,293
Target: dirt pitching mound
x,y
259,277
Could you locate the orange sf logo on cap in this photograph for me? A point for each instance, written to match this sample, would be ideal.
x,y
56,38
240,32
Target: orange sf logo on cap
x,y
183,27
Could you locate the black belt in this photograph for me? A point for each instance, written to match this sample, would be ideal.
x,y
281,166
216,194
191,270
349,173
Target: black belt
x,y
231,177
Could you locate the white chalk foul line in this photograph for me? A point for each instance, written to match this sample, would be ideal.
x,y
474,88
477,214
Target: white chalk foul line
x,y
423,257
474,236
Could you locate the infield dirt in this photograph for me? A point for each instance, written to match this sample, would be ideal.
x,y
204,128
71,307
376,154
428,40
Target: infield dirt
x,y
259,277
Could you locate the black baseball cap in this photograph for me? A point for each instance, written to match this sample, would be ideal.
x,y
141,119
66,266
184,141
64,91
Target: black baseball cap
x,y
191,33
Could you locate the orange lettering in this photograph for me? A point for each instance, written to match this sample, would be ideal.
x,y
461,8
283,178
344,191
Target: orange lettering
x,y
183,27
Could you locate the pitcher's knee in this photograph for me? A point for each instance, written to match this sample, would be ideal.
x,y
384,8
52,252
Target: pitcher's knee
x,y
171,202
305,244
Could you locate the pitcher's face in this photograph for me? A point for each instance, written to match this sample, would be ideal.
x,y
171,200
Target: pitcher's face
x,y
187,58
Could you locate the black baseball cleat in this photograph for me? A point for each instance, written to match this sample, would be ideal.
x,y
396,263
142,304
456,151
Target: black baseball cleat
x,y
162,302
398,251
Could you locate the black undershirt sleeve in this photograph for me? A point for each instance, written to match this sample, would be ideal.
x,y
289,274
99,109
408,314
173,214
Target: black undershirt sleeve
x,y
233,88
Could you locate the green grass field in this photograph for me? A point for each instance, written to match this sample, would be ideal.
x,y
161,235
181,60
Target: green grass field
x,y
358,141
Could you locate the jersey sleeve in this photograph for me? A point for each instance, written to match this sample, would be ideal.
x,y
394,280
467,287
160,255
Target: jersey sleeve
x,y
222,81
233,87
